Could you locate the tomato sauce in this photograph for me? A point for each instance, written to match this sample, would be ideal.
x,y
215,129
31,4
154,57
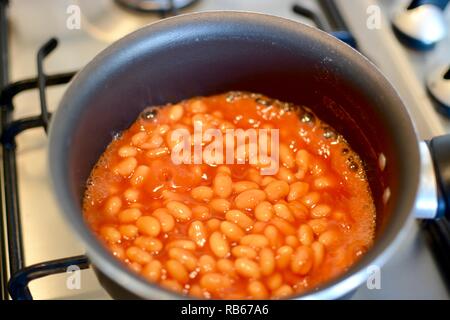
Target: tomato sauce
x,y
227,231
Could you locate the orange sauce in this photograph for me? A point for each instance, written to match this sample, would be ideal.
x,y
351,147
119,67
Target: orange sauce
x,y
328,225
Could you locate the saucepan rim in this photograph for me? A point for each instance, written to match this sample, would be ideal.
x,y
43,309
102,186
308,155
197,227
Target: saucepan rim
x,y
60,133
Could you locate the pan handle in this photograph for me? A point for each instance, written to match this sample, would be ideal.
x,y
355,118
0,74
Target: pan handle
x,y
438,3
440,153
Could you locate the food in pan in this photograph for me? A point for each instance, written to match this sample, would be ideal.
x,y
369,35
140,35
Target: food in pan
x,y
232,196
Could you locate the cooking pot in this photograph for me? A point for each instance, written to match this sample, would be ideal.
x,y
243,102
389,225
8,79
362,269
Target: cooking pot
x,y
214,52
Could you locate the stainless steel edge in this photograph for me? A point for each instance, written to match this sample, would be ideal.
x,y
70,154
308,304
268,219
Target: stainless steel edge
x,y
427,197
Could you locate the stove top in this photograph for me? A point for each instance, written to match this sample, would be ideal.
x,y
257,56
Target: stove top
x,y
412,273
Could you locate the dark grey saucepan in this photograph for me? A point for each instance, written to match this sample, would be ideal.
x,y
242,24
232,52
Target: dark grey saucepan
x,y
208,53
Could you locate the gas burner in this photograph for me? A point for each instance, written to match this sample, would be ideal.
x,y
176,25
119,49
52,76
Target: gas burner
x,y
155,5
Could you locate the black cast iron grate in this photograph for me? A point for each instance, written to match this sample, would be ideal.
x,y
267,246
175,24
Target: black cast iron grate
x,y
20,275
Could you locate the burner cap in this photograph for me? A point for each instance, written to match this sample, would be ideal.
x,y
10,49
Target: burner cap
x,y
155,5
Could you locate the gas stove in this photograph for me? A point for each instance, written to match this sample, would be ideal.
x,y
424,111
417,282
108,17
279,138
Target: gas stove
x,y
32,227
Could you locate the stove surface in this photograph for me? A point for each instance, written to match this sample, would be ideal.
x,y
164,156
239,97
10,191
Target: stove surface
x,y
412,273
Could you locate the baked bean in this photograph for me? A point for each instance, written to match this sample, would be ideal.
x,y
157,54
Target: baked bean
x,y
165,219
176,112
329,238
184,244
310,199
222,185
244,252
197,106
274,281
239,218
172,285
163,129
266,261
257,290
207,263
284,226
224,170
171,196
287,156
220,205
267,180
318,225
152,270
127,151
320,211
255,241
217,114
179,210
283,211
247,268
259,227
157,152
129,215
344,220
231,230
299,210
283,292
126,167
138,255
253,175
317,168
219,245
306,234
113,205
196,291
117,251
286,175
213,224
128,231
303,160
110,234
226,266
199,119
186,257
139,138
148,244
292,241
249,199
200,212
272,235
277,190
177,271
202,193
136,267
197,233
155,141
242,186
302,260
283,257
149,226
297,190
264,211
131,195
214,281
319,253
324,182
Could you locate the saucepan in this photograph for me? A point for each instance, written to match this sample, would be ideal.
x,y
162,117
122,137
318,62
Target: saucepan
x,y
207,53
